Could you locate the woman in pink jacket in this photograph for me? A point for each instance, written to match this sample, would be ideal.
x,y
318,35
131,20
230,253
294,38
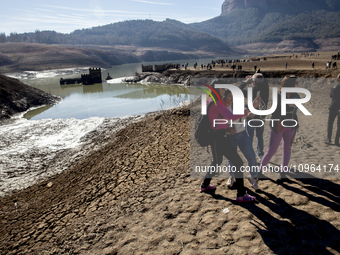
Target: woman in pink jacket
x,y
221,146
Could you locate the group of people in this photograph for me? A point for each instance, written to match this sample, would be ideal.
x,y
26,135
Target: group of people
x,y
226,138
330,65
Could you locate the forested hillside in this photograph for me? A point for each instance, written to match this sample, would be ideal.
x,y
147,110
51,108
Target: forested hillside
x,y
145,33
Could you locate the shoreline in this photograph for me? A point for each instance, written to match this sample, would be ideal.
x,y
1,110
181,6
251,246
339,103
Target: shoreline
x,y
57,149
55,164
58,71
182,77
271,66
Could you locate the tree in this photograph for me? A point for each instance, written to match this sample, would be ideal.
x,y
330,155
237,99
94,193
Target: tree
x,y
14,37
2,37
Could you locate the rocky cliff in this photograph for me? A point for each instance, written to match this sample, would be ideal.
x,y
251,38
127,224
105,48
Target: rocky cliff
x,y
230,5
287,6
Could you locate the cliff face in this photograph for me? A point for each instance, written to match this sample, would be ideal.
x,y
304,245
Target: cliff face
x,y
230,5
289,6
252,21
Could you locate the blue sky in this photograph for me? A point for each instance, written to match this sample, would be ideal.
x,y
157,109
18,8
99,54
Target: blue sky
x,y
68,15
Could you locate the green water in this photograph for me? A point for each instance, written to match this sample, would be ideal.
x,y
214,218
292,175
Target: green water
x,y
106,99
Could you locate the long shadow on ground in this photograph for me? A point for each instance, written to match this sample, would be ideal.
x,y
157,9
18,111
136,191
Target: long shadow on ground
x,y
297,233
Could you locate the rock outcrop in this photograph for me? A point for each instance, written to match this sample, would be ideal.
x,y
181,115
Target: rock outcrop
x,y
16,97
231,5
288,6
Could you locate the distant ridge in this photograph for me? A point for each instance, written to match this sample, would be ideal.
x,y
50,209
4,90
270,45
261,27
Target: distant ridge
x,y
147,33
170,34
242,22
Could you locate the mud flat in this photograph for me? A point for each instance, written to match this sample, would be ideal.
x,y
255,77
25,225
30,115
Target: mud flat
x,y
135,195
130,192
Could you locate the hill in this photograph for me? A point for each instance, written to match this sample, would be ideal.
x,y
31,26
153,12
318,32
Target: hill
x,y
38,56
114,44
147,33
170,34
245,22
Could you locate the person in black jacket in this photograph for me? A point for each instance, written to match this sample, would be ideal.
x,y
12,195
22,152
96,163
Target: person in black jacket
x,y
260,85
334,109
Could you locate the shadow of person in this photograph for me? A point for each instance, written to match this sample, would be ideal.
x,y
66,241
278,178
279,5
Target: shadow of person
x,y
296,232
323,197
322,187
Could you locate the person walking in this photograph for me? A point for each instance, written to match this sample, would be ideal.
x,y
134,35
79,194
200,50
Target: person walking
x,y
334,109
221,146
277,132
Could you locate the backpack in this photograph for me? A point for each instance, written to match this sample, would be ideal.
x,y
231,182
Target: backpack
x,y
203,132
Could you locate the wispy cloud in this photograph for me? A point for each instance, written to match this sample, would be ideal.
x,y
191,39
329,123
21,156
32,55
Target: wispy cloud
x,y
44,10
80,15
78,21
20,10
91,10
149,2
204,7
52,23
116,13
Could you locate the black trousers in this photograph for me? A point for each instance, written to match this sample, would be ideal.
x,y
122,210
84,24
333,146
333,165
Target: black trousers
x,y
221,146
331,118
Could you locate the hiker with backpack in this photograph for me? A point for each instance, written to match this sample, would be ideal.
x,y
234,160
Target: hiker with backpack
x,y
221,145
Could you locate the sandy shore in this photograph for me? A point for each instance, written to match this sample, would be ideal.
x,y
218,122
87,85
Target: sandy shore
x,y
134,195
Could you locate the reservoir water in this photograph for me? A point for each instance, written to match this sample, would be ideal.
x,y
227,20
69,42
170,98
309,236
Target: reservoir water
x,y
107,99
57,136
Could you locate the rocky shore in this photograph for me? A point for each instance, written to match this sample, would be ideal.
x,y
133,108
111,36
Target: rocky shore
x,y
183,77
16,97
